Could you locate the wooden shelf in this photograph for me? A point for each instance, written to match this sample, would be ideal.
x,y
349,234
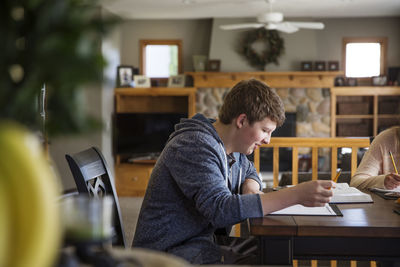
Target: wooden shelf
x,y
294,79
131,178
156,100
375,121
354,116
389,116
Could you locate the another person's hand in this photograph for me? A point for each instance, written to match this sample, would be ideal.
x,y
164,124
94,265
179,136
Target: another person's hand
x,y
314,193
391,181
250,186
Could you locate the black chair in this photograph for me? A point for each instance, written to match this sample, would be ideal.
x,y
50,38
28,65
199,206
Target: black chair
x,y
93,177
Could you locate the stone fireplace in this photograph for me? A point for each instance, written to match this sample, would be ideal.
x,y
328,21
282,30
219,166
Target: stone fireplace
x,y
311,106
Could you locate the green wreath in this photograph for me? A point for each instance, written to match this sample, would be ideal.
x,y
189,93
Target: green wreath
x,y
273,50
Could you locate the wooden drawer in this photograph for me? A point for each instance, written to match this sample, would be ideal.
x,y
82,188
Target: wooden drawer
x,y
132,179
353,130
353,108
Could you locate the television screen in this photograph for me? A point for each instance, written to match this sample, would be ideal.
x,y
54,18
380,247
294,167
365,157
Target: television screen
x,y
288,129
144,133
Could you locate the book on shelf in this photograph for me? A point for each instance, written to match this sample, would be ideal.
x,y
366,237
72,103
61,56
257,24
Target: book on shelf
x,y
343,193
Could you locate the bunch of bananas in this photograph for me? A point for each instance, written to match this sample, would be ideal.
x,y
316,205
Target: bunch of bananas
x,y
30,229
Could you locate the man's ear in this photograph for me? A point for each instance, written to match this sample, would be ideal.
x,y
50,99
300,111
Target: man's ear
x,y
240,120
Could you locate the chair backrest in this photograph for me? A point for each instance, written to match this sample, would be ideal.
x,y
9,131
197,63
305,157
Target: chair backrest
x,y
314,143
92,176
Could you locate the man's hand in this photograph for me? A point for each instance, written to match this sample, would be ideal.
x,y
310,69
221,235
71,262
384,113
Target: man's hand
x,y
314,193
250,186
391,181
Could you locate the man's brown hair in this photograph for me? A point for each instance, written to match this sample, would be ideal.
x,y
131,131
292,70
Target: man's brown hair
x,y
255,99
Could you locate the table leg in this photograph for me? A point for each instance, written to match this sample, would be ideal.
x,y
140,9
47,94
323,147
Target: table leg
x,y
276,250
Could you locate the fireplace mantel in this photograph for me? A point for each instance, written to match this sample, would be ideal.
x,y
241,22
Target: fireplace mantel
x,y
295,79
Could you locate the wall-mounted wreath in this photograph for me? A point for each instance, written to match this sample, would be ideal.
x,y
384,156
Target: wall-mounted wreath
x,y
274,47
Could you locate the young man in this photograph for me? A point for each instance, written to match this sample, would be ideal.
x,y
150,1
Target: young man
x,y
203,181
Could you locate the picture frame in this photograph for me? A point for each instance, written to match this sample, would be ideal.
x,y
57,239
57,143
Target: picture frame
x,y
340,81
213,65
141,81
306,66
319,66
351,82
125,76
379,80
199,62
176,81
333,65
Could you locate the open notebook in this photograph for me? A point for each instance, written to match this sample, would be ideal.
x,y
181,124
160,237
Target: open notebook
x,y
343,193
327,210
386,193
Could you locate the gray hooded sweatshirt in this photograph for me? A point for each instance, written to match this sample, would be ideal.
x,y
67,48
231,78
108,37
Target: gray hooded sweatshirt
x,y
192,191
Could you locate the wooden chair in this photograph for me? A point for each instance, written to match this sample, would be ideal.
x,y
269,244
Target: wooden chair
x,y
92,176
314,143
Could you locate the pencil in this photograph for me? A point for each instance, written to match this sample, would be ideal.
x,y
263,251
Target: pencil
x,y
394,164
337,175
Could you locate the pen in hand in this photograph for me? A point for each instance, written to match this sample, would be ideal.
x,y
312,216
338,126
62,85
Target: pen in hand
x,y
339,171
334,180
394,164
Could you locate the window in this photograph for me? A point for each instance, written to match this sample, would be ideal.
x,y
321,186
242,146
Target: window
x,y
364,57
160,58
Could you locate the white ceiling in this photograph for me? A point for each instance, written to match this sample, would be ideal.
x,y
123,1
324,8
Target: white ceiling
x,y
191,9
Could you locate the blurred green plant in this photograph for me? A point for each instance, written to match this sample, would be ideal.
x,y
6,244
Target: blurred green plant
x,y
56,43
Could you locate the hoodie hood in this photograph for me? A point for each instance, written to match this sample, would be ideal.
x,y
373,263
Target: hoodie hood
x,y
197,123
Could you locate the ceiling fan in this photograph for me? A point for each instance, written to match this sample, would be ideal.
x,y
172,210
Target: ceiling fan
x,y
274,21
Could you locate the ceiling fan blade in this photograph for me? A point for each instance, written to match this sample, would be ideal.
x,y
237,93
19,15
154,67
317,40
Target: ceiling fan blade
x,y
286,27
241,26
307,25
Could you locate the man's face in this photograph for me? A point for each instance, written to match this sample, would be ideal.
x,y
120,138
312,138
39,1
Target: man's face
x,y
253,136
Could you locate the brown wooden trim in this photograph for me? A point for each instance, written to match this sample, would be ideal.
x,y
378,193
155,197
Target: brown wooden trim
x,y
293,79
142,54
317,142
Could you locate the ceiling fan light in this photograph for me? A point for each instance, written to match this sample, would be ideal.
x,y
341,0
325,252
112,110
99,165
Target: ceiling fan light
x,y
271,26
274,17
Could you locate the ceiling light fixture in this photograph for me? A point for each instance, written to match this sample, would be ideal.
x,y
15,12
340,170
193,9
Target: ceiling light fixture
x,y
188,2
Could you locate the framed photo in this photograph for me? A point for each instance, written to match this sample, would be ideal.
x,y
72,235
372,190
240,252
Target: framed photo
x,y
352,82
199,62
306,66
333,65
379,80
340,81
141,81
176,81
125,76
319,66
213,65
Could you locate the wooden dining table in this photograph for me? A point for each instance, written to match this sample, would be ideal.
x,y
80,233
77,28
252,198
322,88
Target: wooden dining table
x,y
365,232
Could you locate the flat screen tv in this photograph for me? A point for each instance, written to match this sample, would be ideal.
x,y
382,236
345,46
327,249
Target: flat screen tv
x,y
288,129
141,134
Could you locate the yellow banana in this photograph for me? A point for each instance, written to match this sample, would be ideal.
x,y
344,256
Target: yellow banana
x,y
35,230
4,223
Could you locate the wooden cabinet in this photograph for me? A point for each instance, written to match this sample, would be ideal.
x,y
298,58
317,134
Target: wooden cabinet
x,y
131,177
364,110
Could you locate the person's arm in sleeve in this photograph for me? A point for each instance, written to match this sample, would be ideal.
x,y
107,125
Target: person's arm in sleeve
x,y
370,172
199,172
252,183
311,194
250,186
